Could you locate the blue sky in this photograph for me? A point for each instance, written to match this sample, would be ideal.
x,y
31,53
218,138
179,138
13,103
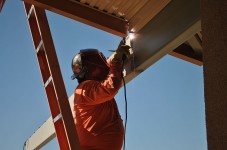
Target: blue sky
x,y
165,103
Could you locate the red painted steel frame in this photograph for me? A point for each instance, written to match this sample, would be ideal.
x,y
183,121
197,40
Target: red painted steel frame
x,y
85,14
186,53
52,78
2,2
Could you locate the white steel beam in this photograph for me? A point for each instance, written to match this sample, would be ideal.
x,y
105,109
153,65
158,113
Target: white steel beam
x,y
163,51
42,136
45,133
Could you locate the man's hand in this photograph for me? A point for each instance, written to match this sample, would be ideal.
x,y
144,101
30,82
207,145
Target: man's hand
x,y
121,53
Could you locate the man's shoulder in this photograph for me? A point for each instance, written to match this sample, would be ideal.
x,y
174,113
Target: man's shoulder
x,y
87,83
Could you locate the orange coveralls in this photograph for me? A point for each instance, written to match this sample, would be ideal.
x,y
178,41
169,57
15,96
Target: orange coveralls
x,y
98,122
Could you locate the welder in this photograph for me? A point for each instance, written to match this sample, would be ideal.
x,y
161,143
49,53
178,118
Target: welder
x,y
97,119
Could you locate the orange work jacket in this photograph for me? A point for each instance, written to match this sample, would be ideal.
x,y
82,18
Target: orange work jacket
x,y
97,119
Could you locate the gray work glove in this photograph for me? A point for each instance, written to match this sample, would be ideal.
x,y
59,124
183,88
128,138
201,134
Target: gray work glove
x,y
121,53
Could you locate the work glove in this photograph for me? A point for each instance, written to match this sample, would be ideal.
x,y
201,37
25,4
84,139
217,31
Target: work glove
x,y
122,53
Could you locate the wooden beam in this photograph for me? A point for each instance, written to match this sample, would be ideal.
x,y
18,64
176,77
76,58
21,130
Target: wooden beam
x,y
85,14
186,53
2,2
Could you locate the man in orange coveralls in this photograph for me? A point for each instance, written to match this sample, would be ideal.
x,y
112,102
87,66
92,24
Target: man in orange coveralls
x,y
97,119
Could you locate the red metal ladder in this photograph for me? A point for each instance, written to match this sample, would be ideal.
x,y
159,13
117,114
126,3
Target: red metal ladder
x,y
52,78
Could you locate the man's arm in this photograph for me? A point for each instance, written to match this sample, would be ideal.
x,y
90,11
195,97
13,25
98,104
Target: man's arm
x,y
95,92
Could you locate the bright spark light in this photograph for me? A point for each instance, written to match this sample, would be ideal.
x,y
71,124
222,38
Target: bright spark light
x,y
131,35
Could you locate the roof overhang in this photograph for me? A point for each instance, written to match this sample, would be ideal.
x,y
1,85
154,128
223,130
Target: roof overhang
x,y
82,13
116,17
121,17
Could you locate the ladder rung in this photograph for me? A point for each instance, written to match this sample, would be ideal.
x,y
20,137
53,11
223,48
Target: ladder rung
x,y
48,81
40,46
31,11
59,116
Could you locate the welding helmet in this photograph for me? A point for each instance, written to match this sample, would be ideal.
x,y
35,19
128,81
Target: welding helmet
x,y
90,64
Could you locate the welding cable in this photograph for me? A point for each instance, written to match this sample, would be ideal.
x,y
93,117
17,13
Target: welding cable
x,y
126,107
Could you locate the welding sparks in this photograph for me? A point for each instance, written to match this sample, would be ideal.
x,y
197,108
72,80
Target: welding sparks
x,y
131,35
